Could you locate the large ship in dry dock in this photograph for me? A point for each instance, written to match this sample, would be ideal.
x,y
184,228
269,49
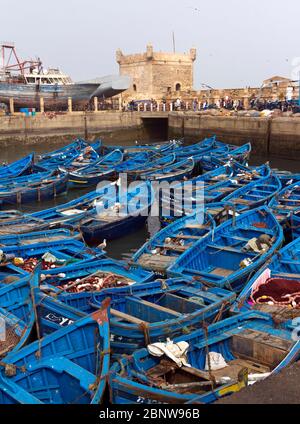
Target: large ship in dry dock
x,y
28,81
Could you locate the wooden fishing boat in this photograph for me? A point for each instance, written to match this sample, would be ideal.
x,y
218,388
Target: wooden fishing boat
x,y
37,237
68,215
70,150
293,226
69,366
165,247
18,168
78,154
275,288
177,171
145,313
254,194
213,159
16,311
135,162
120,217
35,191
91,175
234,250
52,255
26,180
287,178
151,166
248,346
92,275
286,202
160,148
207,145
212,186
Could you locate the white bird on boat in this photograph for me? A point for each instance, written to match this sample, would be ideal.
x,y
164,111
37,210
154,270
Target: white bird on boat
x,y
102,245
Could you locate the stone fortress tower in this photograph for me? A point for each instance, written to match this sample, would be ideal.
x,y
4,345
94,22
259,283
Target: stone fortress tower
x,y
157,74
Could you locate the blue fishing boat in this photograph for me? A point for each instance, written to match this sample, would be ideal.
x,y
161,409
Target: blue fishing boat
x,y
214,159
213,186
135,162
91,175
52,255
69,366
37,237
145,313
71,149
92,275
18,168
159,148
287,178
26,180
67,215
153,165
286,202
293,225
174,172
234,250
45,188
16,311
165,247
119,217
78,154
254,194
275,288
207,145
213,362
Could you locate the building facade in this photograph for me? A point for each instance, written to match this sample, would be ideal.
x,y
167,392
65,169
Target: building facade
x,y
157,74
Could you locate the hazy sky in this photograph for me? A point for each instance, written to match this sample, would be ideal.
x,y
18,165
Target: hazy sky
x,y
239,42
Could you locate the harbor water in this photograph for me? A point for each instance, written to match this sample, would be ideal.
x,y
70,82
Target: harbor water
x,y
123,247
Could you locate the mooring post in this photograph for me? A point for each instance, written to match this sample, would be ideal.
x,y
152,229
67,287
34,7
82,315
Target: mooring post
x,y
42,105
96,104
11,105
70,108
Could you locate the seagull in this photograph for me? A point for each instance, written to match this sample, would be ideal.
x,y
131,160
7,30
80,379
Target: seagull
x,y
102,245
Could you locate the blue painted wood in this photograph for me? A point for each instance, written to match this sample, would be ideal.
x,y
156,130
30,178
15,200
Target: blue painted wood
x,y
255,194
156,310
217,258
69,366
18,168
101,170
35,189
16,311
39,236
130,381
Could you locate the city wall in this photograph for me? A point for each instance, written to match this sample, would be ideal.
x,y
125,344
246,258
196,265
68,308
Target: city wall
x,y
277,136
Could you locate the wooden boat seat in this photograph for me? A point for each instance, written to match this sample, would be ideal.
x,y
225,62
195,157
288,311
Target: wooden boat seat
x,y
235,366
145,303
179,236
224,248
241,201
174,247
158,263
196,226
260,347
280,312
125,317
225,189
222,272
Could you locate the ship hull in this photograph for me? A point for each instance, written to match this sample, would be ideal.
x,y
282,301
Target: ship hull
x,y
56,97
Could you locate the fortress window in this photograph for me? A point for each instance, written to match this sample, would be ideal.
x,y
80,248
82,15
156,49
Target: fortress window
x,y
178,87
134,87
